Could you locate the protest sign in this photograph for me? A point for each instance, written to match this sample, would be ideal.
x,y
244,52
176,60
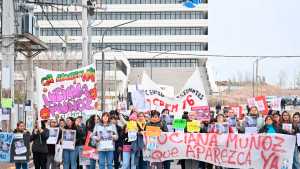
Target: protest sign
x,y
6,103
5,146
259,151
20,147
53,135
274,102
132,136
66,93
298,139
193,126
69,137
106,140
6,112
132,126
259,102
191,95
287,127
89,150
179,123
202,113
153,131
238,111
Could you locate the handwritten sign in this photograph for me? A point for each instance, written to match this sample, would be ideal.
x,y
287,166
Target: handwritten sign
x,y
179,123
193,126
152,131
260,102
89,150
68,139
66,93
259,151
132,126
6,102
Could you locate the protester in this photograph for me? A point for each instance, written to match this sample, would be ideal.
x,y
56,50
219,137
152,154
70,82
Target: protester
x,y
105,134
39,138
80,138
26,136
141,124
51,163
118,143
269,126
277,119
90,125
62,124
69,156
296,129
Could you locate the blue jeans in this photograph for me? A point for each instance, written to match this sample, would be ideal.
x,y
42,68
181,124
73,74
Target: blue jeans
x,y
296,163
69,158
128,161
106,157
21,165
92,164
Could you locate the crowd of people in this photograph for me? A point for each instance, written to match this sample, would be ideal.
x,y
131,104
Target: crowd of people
x,y
116,150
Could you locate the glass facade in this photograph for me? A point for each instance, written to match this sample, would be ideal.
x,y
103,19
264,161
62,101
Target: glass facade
x,y
122,1
129,31
161,15
176,46
146,63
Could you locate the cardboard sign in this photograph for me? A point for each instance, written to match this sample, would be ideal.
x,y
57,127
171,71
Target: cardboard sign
x,y
193,126
259,151
179,123
89,150
202,113
6,103
6,140
153,131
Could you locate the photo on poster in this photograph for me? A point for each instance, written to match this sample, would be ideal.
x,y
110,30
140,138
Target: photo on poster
x,y
69,137
20,147
6,140
106,140
53,135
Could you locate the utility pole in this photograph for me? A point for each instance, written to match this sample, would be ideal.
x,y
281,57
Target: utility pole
x,y
8,54
84,28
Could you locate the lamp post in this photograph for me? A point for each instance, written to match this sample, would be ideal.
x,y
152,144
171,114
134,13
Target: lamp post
x,y
103,59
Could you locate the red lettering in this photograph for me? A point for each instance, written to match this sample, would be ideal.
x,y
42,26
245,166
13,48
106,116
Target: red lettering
x,y
156,155
193,139
199,150
208,154
163,138
245,144
156,100
161,103
217,155
202,140
254,142
230,157
232,138
277,147
174,137
224,155
265,159
213,139
267,143
189,150
174,108
274,164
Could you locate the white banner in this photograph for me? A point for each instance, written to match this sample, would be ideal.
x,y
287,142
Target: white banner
x,y
190,97
259,151
65,94
274,102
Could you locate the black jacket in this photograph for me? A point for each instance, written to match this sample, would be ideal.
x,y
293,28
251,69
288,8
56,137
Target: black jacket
x,y
39,144
277,129
80,135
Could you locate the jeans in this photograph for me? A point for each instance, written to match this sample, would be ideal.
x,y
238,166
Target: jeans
x,y
51,164
106,157
23,165
69,158
92,164
116,159
296,163
78,150
128,161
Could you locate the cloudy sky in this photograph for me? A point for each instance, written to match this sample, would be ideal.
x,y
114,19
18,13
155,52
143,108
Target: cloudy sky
x,y
254,28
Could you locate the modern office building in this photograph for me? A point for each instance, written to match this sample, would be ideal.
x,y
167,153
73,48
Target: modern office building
x,y
164,38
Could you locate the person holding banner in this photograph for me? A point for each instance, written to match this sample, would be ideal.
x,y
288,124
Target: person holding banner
x,y
51,163
296,130
105,134
21,130
39,146
141,124
69,155
156,122
269,126
90,125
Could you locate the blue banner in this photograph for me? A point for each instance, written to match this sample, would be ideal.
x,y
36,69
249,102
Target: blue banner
x,y
5,145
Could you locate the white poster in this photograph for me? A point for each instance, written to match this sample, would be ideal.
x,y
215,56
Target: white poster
x,y
69,138
71,93
257,151
53,135
190,97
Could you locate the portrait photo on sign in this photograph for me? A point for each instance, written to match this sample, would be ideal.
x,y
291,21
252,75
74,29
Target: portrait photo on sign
x,y
20,147
4,147
69,135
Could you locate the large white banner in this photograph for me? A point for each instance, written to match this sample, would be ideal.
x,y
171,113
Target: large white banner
x,y
66,93
190,97
259,151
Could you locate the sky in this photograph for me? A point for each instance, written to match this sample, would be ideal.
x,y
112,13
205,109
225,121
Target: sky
x,y
254,28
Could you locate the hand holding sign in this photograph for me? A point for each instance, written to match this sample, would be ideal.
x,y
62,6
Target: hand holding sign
x,y
152,131
132,126
179,123
193,126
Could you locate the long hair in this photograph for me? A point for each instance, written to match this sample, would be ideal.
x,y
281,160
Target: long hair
x,y
105,114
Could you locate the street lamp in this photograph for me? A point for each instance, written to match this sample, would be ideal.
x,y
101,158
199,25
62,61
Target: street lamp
x,y
103,59
151,66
